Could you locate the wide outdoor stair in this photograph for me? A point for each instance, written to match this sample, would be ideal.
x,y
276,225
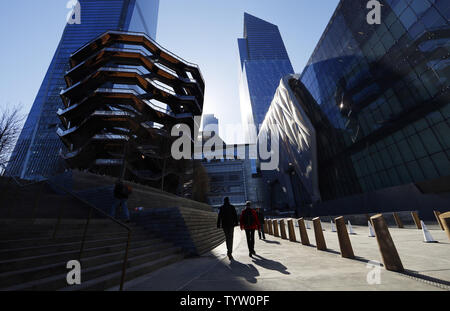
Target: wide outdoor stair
x,y
42,227
38,200
36,259
186,223
98,190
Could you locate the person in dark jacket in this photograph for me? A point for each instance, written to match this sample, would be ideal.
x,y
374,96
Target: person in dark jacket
x,y
249,222
261,219
121,195
227,220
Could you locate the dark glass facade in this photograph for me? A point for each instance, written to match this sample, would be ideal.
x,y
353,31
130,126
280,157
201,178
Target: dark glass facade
x,y
263,62
37,152
383,93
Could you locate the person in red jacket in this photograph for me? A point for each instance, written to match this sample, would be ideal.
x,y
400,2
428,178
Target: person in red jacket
x,y
250,222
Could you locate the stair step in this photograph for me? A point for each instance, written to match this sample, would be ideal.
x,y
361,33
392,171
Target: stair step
x,y
64,247
22,263
106,271
24,242
112,280
90,266
61,231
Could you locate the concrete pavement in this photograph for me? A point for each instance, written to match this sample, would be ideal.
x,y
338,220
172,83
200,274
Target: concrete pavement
x,y
281,265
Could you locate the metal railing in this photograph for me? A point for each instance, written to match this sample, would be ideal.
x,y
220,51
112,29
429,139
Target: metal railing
x,y
92,209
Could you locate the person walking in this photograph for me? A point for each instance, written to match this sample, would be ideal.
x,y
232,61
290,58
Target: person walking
x,y
262,221
227,220
121,195
249,222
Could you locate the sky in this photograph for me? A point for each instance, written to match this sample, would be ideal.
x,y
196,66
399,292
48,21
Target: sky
x,y
204,32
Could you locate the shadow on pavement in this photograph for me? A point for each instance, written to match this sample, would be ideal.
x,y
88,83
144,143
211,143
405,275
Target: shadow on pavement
x,y
270,242
249,272
270,264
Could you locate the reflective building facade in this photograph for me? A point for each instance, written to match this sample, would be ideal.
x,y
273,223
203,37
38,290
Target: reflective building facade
x,y
378,99
263,62
37,152
385,91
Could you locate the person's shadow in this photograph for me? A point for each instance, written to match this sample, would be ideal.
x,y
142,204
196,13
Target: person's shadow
x,y
270,242
249,272
270,264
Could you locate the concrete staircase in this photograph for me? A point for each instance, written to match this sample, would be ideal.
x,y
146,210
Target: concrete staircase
x,y
41,229
183,222
32,259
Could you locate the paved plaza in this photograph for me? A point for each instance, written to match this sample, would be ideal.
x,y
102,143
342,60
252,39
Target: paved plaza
x,y
281,265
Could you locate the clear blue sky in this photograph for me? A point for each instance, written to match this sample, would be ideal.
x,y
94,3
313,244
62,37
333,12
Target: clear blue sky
x,y
201,31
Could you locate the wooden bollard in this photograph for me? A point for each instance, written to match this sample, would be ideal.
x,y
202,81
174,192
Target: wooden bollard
x,y
283,229
344,239
265,227
416,218
276,232
303,233
389,253
398,221
318,232
445,220
269,224
437,214
291,230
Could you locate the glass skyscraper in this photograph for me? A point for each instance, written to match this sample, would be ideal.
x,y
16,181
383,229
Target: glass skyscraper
x,y
36,154
263,62
383,97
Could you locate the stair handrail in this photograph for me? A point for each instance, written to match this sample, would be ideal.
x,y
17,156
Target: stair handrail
x,y
102,213
91,209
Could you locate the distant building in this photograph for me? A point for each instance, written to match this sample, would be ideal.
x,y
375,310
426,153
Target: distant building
x,y
210,124
263,62
232,174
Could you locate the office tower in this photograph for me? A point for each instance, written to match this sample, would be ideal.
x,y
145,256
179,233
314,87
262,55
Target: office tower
x,y
378,97
263,62
37,152
210,124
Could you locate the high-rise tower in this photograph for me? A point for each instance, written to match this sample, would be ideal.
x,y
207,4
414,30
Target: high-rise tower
x,y
263,62
211,123
36,154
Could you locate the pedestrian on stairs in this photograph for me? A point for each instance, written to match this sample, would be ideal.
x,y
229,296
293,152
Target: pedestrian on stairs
x,y
227,220
250,222
121,195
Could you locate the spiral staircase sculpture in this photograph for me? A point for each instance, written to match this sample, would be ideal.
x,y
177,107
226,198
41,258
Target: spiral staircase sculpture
x,y
124,94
